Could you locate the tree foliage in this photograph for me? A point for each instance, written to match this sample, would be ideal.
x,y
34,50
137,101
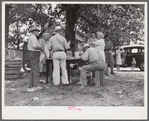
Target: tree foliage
x,y
122,22
20,14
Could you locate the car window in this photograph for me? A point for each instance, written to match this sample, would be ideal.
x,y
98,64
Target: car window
x,y
128,51
142,50
135,50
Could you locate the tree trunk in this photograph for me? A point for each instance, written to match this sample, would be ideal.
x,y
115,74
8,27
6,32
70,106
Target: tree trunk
x,y
6,25
70,24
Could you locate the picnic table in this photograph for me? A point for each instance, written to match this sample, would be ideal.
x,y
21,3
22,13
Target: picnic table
x,y
49,66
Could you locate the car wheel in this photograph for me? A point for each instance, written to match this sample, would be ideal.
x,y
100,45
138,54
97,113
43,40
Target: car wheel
x,y
141,65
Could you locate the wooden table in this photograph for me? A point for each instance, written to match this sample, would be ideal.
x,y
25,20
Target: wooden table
x,y
49,66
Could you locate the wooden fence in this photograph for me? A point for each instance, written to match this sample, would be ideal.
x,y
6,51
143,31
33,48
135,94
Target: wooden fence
x,y
12,53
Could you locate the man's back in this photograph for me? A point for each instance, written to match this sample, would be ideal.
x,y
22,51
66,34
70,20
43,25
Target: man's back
x,y
91,55
58,42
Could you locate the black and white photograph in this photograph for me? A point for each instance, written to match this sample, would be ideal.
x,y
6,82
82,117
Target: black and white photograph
x,y
74,60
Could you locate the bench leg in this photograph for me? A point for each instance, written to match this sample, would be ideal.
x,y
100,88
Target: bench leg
x,y
102,78
47,71
99,78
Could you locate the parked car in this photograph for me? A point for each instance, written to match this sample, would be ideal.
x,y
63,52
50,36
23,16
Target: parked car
x,y
132,51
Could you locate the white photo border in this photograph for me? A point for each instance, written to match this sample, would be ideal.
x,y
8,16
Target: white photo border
x,y
52,112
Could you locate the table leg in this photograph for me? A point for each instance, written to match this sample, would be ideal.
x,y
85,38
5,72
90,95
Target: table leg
x,y
69,72
47,71
50,71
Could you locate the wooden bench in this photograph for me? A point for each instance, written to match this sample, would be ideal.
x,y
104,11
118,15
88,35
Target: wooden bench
x,y
99,78
12,69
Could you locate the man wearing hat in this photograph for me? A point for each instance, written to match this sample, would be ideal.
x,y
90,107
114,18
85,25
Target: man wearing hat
x,y
34,49
58,45
93,57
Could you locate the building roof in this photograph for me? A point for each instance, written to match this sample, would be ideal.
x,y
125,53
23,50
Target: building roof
x,y
131,46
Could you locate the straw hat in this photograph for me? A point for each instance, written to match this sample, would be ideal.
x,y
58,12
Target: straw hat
x,y
34,28
58,28
86,45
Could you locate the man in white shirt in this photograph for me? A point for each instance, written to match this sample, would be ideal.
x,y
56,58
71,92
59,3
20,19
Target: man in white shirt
x,y
58,45
34,49
93,57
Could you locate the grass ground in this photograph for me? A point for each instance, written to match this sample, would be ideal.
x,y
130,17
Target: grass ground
x,y
122,89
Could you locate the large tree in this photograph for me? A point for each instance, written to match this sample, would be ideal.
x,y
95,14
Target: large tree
x,y
121,22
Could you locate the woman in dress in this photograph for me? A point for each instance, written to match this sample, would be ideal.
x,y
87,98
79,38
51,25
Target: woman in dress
x,y
100,44
118,58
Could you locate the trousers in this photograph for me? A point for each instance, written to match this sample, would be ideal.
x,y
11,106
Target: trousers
x,y
109,60
91,67
34,57
59,60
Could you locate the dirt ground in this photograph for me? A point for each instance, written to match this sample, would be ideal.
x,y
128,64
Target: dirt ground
x,y
123,89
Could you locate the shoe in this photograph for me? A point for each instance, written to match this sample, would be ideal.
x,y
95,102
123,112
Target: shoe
x,y
81,87
31,89
43,81
113,73
37,88
106,74
79,83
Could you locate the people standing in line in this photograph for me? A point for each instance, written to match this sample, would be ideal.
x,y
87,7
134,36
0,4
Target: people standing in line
x,y
58,45
92,57
118,58
44,54
100,44
34,49
108,55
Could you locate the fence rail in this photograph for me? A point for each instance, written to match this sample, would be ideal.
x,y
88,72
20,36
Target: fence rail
x,y
12,53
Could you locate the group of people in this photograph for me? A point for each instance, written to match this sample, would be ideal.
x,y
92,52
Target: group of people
x,y
40,49
104,46
97,53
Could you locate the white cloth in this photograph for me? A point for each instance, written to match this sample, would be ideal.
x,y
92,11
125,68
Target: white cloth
x,y
59,60
100,45
118,57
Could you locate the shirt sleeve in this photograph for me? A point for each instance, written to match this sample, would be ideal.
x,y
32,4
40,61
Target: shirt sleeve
x,y
85,56
66,44
97,43
35,42
49,46
46,51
